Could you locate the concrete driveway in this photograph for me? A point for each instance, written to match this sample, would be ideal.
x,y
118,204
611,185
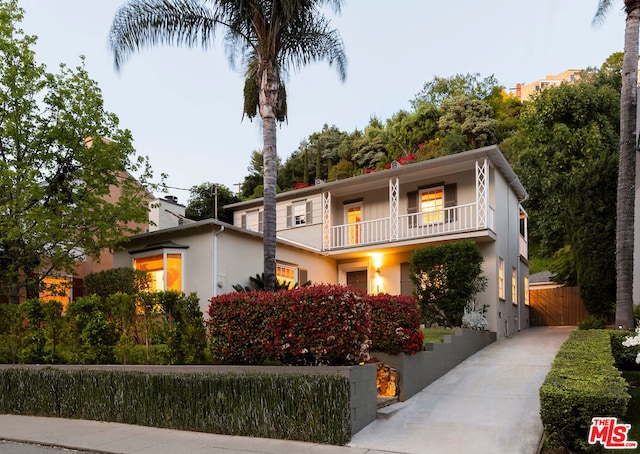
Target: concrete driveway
x,y
488,404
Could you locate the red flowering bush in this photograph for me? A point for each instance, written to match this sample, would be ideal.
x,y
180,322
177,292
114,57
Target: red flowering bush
x,y
321,324
395,324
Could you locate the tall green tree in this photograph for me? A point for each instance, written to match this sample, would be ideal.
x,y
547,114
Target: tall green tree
x,y
271,37
566,155
207,201
55,170
625,204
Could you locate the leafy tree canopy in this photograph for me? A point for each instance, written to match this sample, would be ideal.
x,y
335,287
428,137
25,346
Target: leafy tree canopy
x,y
207,201
61,153
441,88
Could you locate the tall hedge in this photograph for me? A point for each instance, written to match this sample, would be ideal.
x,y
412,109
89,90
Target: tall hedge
x,y
320,324
313,408
446,277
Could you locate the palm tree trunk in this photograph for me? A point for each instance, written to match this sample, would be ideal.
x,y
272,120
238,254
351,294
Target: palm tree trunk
x,y
268,101
626,169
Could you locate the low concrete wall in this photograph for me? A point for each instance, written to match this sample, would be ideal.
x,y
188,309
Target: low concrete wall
x,y
416,372
362,380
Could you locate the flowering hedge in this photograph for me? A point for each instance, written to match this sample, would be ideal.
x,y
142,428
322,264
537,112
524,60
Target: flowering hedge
x,y
395,324
321,324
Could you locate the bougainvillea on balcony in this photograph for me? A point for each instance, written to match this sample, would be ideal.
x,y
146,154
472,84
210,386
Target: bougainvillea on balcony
x,y
395,324
321,324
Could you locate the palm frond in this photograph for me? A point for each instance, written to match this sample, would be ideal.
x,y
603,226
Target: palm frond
x,y
601,13
312,40
145,23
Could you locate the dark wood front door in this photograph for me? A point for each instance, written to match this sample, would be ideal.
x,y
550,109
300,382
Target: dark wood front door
x,y
357,279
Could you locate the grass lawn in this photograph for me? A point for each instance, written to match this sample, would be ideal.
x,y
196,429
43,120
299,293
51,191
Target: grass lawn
x,y
633,410
435,335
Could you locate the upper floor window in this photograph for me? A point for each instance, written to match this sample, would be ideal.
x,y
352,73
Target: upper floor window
x,y
163,269
299,213
432,205
252,220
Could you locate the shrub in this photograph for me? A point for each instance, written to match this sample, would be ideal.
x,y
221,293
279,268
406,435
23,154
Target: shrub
x,y
395,324
583,383
625,357
321,324
186,333
473,316
91,332
115,280
10,333
446,277
593,322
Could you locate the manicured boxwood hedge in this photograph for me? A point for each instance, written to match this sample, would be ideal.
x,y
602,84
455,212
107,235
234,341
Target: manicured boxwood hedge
x,y
312,408
583,383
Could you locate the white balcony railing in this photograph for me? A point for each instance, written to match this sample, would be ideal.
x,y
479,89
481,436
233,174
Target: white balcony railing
x,y
461,218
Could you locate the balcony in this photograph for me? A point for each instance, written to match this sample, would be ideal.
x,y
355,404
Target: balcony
x,y
458,219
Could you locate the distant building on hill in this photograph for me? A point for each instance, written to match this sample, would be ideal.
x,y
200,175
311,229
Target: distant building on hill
x,y
525,91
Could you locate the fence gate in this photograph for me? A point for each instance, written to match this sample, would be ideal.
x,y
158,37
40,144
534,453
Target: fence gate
x,y
558,306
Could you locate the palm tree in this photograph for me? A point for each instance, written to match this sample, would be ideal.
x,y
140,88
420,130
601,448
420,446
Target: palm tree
x,y
625,211
270,37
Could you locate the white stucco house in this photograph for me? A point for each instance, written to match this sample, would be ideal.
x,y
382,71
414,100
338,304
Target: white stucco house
x,y
361,231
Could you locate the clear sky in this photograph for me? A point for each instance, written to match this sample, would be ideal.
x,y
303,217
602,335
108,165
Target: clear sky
x,y
184,106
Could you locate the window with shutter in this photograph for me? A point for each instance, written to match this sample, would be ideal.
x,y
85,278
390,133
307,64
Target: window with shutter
x,y
432,205
298,214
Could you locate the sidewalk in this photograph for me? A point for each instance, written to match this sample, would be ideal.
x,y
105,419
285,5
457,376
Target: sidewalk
x,y
488,404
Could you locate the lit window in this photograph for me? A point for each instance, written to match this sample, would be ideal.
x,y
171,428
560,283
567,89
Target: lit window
x,y
164,270
526,290
501,286
56,289
514,286
432,205
354,220
286,274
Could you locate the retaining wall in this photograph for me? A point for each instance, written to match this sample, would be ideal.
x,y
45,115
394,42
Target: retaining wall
x,y
417,371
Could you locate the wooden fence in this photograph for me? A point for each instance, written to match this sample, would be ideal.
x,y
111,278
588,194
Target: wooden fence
x,y
558,306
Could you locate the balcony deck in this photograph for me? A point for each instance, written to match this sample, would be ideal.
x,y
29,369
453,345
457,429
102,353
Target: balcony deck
x,y
458,219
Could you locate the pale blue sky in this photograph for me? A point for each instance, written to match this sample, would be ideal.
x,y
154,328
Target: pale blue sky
x,y
184,106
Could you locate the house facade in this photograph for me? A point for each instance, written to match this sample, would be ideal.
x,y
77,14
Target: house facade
x,y
362,231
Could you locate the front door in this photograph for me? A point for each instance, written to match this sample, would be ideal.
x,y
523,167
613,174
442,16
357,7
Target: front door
x,y
353,215
358,279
